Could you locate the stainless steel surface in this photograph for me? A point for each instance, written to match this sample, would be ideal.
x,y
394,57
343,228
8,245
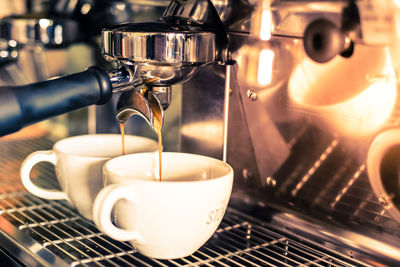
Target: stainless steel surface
x,y
287,155
51,233
142,103
226,111
290,18
123,79
340,239
37,30
201,128
8,51
317,171
201,12
163,94
161,52
158,42
162,3
322,174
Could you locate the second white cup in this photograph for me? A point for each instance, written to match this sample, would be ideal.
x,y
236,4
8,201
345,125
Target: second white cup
x,y
78,163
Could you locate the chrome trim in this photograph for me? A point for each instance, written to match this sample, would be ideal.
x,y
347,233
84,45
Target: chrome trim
x,y
226,111
8,51
37,30
163,94
340,238
158,43
124,79
161,54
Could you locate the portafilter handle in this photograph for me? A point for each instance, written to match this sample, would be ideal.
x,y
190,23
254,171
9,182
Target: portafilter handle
x,y
27,104
24,105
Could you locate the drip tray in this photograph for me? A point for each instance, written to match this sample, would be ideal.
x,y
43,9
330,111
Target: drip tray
x,y
57,234
41,232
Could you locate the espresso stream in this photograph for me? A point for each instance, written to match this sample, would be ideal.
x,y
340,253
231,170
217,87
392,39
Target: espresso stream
x,y
122,128
157,129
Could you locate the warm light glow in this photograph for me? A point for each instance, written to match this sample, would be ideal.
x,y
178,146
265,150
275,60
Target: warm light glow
x,y
265,64
356,95
58,34
3,54
44,23
12,43
397,3
85,8
261,20
265,30
121,6
201,131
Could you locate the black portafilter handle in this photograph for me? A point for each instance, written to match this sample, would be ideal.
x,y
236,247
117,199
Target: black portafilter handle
x,y
323,40
24,105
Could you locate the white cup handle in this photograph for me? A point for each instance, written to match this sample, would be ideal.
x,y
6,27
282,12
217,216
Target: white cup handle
x,y
27,165
102,208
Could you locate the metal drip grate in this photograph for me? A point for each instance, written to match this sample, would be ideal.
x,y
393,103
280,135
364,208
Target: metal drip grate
x,y
326,177
55,234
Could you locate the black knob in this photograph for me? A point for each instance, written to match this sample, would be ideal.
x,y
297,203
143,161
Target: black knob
x,y
323,40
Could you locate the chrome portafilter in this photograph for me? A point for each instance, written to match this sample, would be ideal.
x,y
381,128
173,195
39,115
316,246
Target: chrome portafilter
x,y
157,55
151,57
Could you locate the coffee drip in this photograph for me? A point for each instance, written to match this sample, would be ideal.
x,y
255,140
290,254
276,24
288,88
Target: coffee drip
x,y
122,129
153,114
157,129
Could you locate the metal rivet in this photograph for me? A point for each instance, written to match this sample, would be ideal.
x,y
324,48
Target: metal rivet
x,y
252,95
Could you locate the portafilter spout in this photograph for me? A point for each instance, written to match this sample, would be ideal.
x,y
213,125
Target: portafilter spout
x,y
142,103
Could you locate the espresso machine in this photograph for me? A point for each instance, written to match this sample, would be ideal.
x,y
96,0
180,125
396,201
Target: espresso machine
x,y
299,97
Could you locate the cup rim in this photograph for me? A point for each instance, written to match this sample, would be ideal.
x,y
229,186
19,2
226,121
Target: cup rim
x,y
228,175
56,146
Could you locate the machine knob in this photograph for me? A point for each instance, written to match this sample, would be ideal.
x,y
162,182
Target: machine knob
x,y
323,40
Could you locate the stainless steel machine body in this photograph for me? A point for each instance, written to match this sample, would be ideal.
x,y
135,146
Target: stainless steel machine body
x,y
290,154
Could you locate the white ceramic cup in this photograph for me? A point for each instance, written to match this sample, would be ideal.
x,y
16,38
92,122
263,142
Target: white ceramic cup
x,y
383,162
78,163
164,219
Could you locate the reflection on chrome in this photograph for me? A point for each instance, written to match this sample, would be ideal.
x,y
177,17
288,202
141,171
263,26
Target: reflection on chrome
x,y
202,130
356,96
